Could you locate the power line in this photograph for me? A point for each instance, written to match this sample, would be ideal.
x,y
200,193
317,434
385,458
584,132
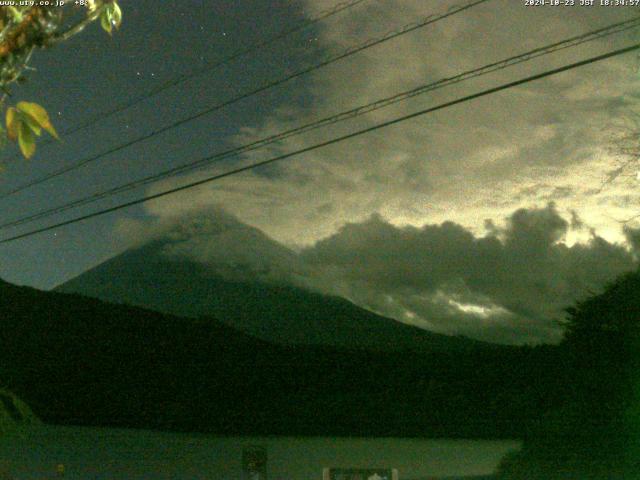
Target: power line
x,y
324,14
331,59
355,112
316,146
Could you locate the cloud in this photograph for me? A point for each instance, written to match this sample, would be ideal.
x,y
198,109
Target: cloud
x,y
509,285
219,241
543,141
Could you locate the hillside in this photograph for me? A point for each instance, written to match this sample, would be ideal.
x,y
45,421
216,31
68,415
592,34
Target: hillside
x,y
81,361
149,277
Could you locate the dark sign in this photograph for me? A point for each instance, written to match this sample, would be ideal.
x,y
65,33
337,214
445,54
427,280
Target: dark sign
x,y
254,463
360,474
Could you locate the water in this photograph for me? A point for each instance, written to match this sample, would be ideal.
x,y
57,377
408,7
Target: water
x,y
93,453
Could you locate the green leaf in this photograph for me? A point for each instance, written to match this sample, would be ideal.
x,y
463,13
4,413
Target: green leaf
x,y
116,15
32,124
105,22
26,140
37,118
111,17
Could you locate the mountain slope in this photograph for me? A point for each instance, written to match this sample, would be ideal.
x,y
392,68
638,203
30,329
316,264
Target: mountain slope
x,y
148,276
81,361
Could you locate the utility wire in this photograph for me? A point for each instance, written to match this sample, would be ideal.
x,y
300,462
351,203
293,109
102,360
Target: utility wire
x,y
331,59
331,120
212,66
316,146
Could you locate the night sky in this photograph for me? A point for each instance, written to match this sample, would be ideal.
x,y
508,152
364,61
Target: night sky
x,y
93,72
484,219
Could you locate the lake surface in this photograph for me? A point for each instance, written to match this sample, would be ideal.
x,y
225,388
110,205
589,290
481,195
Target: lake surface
x,y
94,453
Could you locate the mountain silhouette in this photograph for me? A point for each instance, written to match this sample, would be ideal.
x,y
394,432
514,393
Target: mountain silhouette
x,y
240,276
81,361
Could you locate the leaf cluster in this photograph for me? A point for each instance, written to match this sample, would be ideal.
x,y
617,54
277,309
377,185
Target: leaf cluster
x,y
25,122
26,28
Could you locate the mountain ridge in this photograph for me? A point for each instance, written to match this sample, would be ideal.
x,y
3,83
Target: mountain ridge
x,y
273,311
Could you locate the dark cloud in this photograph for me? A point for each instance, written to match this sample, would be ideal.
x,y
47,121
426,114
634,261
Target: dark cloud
x,y
576,221
535,230
510,285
